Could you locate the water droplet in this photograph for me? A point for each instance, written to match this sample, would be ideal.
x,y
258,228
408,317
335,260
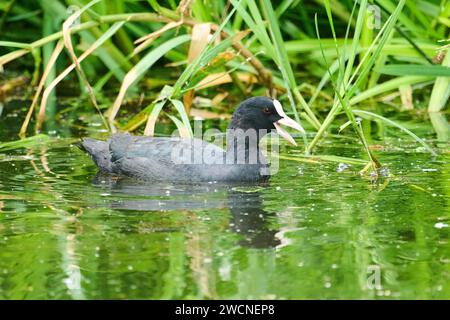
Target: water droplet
x,y
384,172
341,167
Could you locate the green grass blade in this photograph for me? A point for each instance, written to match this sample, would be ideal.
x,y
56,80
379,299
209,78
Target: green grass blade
x,y
387,86
141,68
184,117
371,115
416,70
13,44
285,66
24,143
209,52
441,90
182,130
351,87
354,50
151,121
389,26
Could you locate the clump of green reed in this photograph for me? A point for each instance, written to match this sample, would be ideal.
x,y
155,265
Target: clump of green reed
x,y
345,56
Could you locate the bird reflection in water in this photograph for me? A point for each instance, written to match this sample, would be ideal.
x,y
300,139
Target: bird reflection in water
x,y
248,217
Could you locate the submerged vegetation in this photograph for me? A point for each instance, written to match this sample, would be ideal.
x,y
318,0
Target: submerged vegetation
x,y
328,60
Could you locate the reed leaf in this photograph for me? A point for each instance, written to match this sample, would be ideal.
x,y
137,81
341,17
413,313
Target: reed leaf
x,y
441,90
141,68
416,70
371,116
108,34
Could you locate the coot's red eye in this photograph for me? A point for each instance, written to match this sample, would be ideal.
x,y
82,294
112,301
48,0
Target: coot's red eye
x,y
267,110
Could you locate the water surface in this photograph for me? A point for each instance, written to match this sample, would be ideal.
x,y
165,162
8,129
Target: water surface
x,y
313,232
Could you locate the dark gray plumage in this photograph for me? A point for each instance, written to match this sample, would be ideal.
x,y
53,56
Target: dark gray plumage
x,y
150,158
192,160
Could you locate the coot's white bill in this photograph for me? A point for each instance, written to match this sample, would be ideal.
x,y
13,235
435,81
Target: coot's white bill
x,y
286,121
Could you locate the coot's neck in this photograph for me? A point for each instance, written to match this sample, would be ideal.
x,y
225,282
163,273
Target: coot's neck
x,y
243,143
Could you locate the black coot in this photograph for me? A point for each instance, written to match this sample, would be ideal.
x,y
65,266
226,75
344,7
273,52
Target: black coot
x,y
192,160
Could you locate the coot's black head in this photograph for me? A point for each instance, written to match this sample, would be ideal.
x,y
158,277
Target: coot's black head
x,y
263,113
255,113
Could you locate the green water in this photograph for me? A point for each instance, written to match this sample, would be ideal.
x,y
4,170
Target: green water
x,y
313,232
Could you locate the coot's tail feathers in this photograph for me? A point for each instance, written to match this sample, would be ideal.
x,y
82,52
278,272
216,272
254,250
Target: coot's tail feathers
x,y
99,152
